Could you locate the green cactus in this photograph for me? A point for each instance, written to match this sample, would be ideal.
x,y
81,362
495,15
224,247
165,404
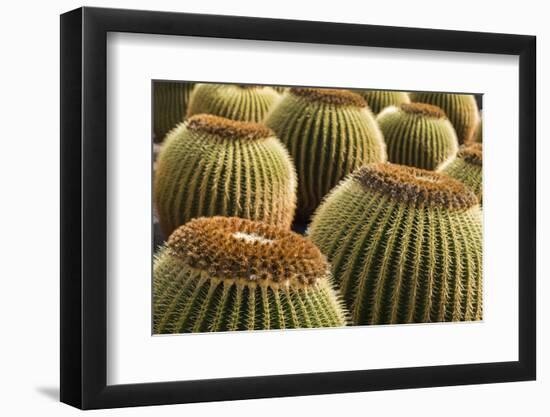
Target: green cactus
x,y
211,166
378,100
418,135
405,245
329,133
249,103
461,109
170,101
223,274
467,167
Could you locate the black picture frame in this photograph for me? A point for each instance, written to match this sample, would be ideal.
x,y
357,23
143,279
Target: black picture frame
x,y
84,207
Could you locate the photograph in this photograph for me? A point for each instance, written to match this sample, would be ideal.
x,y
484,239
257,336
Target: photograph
x,y
293,207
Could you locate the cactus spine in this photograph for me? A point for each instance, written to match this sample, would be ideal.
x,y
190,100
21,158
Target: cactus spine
x,y
329,133
467,167
248,103
169,106
214,166
378,100
461,109
405,245
223,274
418,135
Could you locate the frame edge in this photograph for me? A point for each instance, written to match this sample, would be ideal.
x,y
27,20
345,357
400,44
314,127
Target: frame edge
x,y
70,215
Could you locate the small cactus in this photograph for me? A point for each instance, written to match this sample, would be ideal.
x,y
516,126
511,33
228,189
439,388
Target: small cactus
x,y
405,245
418,135
378,100
211,166
461,109
224,274
467,167
329,133
169,106
248,103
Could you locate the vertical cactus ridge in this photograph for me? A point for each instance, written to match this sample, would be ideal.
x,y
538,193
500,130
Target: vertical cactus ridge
x,y
378,100
479,132
461,109
404,244
170,101
233,101
227,274
418,135
467,167
329,133
213,166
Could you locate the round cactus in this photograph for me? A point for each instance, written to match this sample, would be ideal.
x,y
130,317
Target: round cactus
x,y
212,166
461,109
418,135
221,274
169,106
329,133
467,167
405,245
378,100
248,103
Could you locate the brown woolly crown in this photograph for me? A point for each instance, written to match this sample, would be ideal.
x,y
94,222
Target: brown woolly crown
x,y
472,153
250,86
226,128
330,96
415,186
423,109
235,248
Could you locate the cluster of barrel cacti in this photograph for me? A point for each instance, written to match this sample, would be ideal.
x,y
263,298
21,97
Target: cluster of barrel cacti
x,y
298,207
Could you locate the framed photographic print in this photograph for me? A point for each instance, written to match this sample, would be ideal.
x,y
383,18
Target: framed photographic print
x,y
258,208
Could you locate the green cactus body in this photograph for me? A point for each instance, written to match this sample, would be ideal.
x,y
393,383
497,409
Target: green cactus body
x,y
248,103
329,133
405,245
169,106
378,100
214,166
467,167
224,274
461,109
418,135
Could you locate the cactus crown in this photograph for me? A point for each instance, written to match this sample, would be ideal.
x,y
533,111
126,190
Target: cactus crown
x,y
423,109
226,128
235,248
330,96
415,186
245,86
472,153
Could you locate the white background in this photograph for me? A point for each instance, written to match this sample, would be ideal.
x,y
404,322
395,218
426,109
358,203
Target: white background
x,y
30,174
134,356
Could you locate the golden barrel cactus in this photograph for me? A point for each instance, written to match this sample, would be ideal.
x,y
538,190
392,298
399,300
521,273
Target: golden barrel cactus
x,y
329,133
405,245
418,135
461,109
248,103
212,166
224,274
